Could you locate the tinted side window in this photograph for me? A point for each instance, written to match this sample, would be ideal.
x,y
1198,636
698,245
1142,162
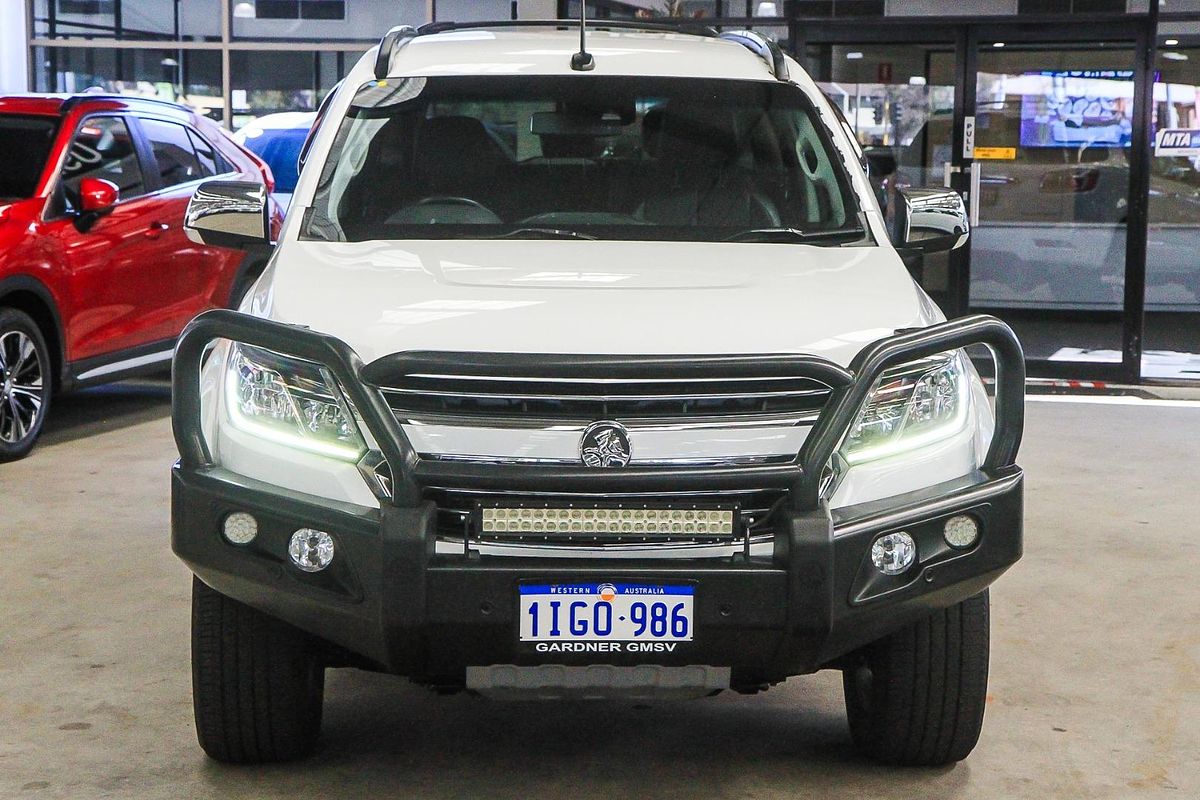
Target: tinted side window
x,y
26,143
103,148
211,161
177,161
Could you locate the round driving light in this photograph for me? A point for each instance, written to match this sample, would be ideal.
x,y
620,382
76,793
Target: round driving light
x,y
893,553
311,550
240,528
961,531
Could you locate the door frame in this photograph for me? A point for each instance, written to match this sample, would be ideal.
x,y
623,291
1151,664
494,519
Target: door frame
x,y
965,37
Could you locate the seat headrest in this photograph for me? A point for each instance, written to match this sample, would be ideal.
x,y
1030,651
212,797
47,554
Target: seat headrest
x,y
690,133
448,146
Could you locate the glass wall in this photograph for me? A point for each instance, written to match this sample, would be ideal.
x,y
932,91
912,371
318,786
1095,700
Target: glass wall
x,y
191,77
1054,125
273,81
325,20
1172,337
193,20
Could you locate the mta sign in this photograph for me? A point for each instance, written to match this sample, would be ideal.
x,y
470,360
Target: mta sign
x,y
1177,142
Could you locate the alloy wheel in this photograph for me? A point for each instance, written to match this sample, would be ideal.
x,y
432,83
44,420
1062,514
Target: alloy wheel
x,y
21,386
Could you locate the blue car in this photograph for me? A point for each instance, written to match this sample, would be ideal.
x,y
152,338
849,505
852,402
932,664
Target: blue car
x,y
277,139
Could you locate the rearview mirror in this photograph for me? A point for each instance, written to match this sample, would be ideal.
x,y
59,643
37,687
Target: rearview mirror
x,y
930,220
228,214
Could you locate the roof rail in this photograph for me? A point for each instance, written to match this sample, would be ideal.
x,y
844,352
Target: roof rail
x,y
392,41
766,48
664,26
130,99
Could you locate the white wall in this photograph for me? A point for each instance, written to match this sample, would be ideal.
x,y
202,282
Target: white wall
x,y
14,68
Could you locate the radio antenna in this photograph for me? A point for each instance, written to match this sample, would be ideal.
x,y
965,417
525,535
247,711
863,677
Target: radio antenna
x,y
583,61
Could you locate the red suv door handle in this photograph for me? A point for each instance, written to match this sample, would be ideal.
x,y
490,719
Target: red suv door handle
x,y
155,230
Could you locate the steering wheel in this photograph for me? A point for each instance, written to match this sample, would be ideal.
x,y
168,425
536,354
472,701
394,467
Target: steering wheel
x,y
468,212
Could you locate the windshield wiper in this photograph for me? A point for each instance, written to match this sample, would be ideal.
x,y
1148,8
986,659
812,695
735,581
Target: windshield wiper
x,y
795,235
543,233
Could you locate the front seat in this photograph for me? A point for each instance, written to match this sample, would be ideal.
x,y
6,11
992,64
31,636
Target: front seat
x,y
456,156
702,182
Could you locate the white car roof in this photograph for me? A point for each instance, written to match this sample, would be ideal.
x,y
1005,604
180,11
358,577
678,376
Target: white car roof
x,y
539,51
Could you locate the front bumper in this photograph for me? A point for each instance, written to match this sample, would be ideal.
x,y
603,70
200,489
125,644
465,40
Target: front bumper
x,y
389,601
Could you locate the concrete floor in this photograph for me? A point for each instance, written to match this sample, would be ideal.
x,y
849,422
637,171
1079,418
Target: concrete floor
x,y
1095,688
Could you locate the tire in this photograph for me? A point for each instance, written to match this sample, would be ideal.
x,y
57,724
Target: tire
x,y
917,697
257,685
26,381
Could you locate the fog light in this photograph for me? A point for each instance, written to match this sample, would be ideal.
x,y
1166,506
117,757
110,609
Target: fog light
x,y
240,528
311,550
961,531
893,553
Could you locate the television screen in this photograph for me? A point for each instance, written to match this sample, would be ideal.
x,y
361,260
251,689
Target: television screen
x,y
1077,108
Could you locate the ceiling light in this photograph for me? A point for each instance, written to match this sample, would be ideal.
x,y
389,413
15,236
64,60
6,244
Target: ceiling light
x,y
997,44
1173,56
244,10
855,56
1171,42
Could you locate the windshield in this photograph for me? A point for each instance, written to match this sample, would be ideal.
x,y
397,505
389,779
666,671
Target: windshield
x,y
25,143
626,158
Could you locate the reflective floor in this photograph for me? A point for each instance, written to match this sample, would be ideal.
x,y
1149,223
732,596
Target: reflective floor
x,y
1095,687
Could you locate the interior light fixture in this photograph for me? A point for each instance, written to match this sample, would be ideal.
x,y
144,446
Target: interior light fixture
x,y
244,10
1171,42
997,44
854,56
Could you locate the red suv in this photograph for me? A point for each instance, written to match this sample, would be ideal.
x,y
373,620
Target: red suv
x,y
96,275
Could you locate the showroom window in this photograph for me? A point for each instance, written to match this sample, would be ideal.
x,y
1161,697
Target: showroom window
x,y
298,9
1172,349
194,20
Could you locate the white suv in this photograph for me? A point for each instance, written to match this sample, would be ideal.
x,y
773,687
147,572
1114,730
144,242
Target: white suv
x,y
590,374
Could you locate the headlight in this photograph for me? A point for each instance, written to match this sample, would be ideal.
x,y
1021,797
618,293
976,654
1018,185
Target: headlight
x,y
911,406
290,401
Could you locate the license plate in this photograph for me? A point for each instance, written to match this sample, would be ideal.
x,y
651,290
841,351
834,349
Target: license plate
x,y
606,612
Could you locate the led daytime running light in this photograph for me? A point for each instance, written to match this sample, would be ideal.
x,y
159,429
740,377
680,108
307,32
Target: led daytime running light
x,y
912,406
291,402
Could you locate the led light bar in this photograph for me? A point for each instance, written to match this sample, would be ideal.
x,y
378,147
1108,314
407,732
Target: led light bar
x,y
589,521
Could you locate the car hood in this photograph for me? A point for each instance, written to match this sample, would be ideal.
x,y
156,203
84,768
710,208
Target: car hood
x,y
594,297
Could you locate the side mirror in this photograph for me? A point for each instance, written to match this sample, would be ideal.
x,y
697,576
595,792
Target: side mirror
x,y
930,220
97,196
228,214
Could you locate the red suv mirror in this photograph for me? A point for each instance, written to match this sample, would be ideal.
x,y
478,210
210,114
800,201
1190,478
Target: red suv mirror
x,y
97,195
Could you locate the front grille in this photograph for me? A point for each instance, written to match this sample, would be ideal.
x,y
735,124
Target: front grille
x,y
583,399
729,411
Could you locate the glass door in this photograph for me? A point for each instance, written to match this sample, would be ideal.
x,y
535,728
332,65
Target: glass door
x,y
1172,351
1049,194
